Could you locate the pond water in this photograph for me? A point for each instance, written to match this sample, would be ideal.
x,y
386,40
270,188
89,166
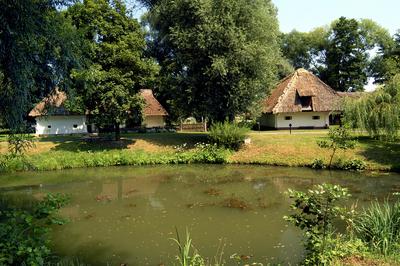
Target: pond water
x,y
129,214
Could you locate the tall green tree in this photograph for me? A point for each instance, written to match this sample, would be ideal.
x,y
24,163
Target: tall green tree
x,y
117,67
342,54
346,59
305,49
38,48
387,64
217,58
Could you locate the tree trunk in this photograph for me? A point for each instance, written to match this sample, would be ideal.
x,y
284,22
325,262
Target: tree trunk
x,y
231,118
330,161
117,132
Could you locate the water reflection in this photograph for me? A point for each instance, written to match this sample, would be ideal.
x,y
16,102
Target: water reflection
x,y
128,214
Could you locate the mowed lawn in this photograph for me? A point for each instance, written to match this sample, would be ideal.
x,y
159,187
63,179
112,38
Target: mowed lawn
x,y
300,148
267,147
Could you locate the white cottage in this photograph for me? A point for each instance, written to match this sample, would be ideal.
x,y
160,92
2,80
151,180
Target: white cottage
x,y
154,114
52,118
300,100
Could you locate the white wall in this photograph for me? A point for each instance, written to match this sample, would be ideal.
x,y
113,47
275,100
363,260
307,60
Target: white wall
x,y
302,119
154,121
61,125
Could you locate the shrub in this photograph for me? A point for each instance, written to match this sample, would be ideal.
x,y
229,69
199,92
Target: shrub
x,y
318,164
228,135
210,153
353,164
250,124
379,226
24,233
19,143
314,213
9,162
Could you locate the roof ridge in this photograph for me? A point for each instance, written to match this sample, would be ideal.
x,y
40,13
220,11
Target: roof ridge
x,y
323,83
288,87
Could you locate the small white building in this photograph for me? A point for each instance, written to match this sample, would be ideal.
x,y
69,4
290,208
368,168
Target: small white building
x,y
300,100
154,114
52,118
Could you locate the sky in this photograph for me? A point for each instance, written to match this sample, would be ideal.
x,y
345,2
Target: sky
x,y
305,15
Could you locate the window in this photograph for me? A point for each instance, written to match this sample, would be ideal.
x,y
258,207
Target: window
x,y
75,126
49,126
316,117
288,118
306,103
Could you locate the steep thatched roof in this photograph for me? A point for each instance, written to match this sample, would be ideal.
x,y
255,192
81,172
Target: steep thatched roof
x,y
54,105
153,107
287,95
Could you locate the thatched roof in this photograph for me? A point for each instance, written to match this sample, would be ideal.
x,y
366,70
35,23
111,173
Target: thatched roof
x,y
286,97
54,105
153,107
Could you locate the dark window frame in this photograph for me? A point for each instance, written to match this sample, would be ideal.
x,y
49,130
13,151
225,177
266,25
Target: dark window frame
x,y
316,117
288,118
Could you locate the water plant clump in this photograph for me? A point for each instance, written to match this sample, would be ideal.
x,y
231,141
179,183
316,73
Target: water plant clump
x,y
379,226
213,192
200,204
236,203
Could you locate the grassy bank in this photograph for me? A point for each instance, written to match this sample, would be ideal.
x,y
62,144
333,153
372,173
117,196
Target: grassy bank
x,y
269,148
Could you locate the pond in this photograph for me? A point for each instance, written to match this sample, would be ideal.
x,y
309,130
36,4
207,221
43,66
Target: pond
x,y
129,214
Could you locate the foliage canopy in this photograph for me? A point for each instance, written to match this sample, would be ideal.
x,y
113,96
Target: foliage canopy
x,y
117,68
38,48
217,58
340,54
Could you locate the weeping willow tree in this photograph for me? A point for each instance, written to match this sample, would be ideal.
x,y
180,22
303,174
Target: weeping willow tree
x,y
378,113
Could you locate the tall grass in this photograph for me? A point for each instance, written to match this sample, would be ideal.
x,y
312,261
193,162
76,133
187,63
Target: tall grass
x,y
379,226
67,159
188,255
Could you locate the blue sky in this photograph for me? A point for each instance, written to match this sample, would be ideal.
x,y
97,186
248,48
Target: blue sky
x,y
305,15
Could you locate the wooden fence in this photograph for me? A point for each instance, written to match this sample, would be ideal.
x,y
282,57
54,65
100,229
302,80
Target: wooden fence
x,y
198,127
